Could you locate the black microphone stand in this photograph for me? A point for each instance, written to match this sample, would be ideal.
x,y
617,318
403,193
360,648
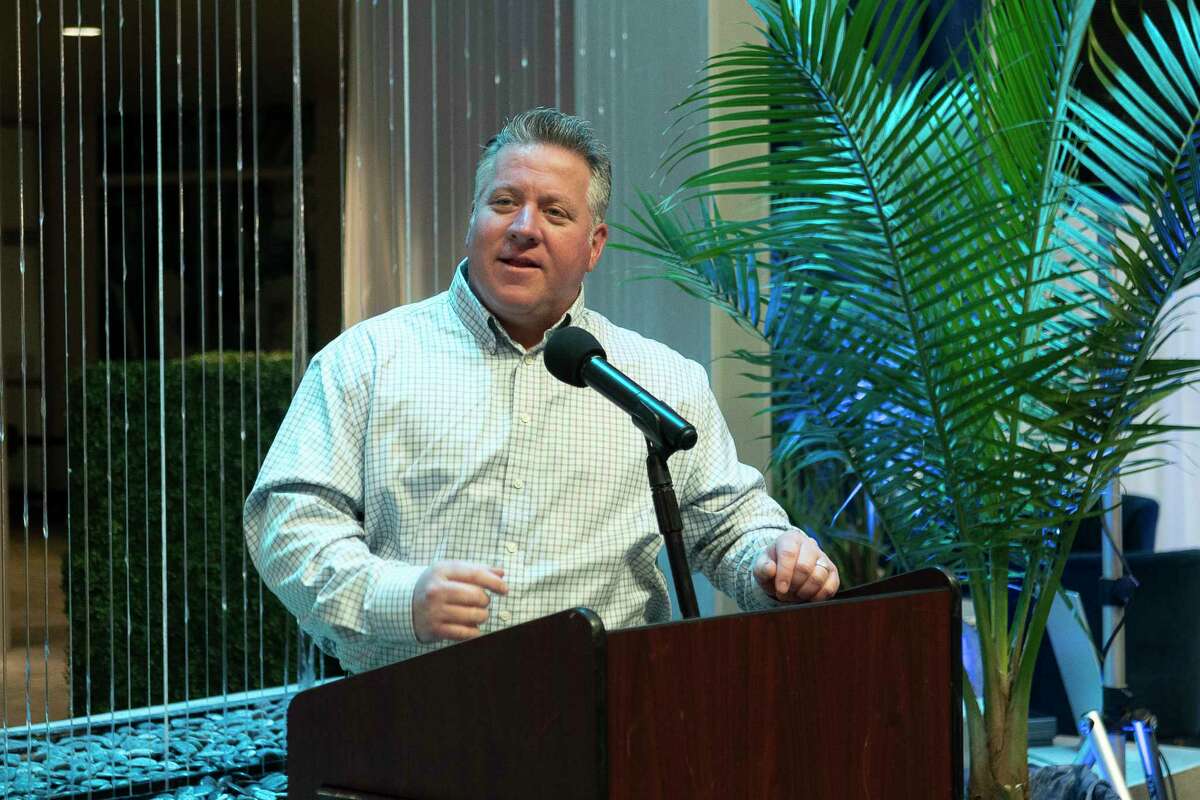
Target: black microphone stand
x,y
574,356
670,525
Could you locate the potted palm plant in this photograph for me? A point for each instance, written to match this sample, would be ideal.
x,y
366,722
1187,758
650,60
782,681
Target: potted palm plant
x,y
949,311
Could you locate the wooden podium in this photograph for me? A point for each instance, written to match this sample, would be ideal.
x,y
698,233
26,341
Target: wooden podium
x,y
857,697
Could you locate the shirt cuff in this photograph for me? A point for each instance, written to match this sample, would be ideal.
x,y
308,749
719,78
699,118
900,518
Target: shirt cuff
x,y
754,596
389,606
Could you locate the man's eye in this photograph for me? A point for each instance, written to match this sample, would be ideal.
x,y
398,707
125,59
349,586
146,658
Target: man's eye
x,y
556,212
502,201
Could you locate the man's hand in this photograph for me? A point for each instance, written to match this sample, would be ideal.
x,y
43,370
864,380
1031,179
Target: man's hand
x,y
794,570
449,601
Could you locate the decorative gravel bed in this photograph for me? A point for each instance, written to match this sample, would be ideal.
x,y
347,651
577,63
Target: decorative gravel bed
x,y
221,753
232,787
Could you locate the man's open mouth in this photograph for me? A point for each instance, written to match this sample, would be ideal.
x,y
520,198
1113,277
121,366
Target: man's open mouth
x,y
521,261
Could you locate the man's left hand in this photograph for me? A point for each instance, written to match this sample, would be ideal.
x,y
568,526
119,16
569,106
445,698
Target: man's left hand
x,y
793,569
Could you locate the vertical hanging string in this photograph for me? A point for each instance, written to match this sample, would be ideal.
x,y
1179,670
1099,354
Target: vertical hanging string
x,y
42,368
183,481
478,92
558,103
62,142
498,110
299,277
525,26
125,358
24,389
162,386
610,102
433,39
87,582
624,39
145,349
341,137
257,298
483,83
220,362
202,268
394,250
358,25
469,96
582,85
495,91
241,287
452,114
112,631
408,261
4,545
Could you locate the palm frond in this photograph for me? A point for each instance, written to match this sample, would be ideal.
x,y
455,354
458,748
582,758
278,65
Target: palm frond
x,y
951,316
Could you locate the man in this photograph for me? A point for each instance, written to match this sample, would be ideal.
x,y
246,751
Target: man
x,y
432,481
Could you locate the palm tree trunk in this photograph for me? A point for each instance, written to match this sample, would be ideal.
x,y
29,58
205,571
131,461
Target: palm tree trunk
x,y
998,740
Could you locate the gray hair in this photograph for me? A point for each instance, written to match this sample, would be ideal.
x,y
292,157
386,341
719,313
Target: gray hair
x,y
551,126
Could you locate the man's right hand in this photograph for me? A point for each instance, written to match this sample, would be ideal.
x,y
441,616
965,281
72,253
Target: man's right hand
x,y
450,601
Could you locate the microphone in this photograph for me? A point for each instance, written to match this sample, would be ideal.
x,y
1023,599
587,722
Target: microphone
x,y
574,356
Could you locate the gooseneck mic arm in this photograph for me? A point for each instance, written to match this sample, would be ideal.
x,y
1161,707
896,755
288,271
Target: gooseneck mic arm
x,y
574,356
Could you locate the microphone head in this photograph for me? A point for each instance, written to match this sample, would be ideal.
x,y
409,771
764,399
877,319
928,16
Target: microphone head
x,y
567,350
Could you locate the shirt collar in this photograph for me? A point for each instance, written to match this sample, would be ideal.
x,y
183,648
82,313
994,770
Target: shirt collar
x,y
484,326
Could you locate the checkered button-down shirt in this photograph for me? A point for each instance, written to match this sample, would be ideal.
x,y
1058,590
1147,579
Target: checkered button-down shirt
x,y
426,433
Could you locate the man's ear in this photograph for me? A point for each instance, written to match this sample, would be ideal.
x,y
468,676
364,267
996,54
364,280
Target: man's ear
x,y
599,239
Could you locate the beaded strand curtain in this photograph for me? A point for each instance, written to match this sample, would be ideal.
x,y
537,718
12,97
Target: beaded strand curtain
x,y
154,158
173,184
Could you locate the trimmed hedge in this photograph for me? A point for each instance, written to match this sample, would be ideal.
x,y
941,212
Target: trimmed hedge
x,y
209,470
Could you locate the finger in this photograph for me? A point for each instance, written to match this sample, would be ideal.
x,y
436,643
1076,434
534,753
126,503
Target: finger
x,y
468,616
764,568
456,633
807,577
823,582
832,584
477,574
787,548
457,593
812,586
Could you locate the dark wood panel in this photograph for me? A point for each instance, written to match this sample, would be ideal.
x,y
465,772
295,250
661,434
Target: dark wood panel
x,y
514,715
857,698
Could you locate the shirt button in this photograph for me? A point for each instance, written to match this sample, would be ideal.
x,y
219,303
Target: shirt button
x,y
505,616
525,418
527,360
510,547
518,484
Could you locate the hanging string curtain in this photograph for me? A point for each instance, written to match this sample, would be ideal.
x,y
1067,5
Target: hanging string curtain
x,y
180,193
154,166
429,84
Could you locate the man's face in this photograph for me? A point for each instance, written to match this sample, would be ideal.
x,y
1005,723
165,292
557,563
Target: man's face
x,y
530,241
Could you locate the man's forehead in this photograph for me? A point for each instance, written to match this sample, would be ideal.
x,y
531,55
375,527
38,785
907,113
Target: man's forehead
x,y
539,154
548,159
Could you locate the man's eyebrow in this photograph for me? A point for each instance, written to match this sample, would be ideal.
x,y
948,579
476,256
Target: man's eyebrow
x,y
560,199
549,197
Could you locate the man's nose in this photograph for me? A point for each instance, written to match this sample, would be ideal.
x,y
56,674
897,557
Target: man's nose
x,y
523,228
